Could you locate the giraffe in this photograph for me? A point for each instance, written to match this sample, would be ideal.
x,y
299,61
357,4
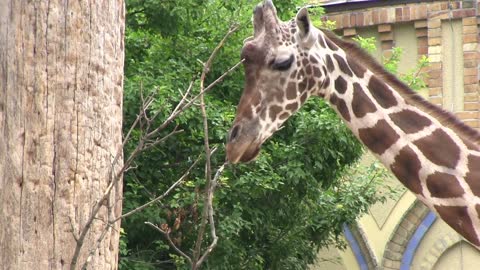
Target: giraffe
x,y
431,152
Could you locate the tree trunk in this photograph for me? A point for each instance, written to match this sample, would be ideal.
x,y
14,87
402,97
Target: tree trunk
x,y
61,79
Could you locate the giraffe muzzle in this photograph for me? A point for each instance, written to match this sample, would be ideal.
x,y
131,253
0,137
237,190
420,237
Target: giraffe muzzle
x,y
242,144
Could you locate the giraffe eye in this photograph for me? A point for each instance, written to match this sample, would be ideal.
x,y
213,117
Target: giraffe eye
x,y
283,64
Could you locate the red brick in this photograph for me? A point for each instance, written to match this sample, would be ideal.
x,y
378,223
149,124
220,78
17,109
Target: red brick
x,y
422,41
470,63
384,28
470,29
470,21
471,106
470,55
376,16
406,13
442,15
398,14
434,83
421,12
383,16
470,80
367,18
463,13
436,32
470,72
471,88
421,32
346,20
470,38
472,97
467,115
435,7
348,32
423,50
434,91
420,24
435,74
434,23
359,19
436,100
472,123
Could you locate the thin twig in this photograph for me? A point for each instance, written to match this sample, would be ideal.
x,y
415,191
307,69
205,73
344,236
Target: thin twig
x,y
172,187
167,235
210,186
213,233
187,105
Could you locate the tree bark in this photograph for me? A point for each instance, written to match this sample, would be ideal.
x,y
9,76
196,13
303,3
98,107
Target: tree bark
x,y
61,81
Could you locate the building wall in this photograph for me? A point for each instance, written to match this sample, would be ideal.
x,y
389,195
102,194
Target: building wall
x,y
403,233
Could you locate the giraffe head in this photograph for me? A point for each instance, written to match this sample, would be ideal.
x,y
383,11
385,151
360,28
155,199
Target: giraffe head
x,y
280,74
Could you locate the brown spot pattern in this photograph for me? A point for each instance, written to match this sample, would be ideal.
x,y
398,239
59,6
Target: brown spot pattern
x,y
457,217
284,116
326,82
303,98
292,106
439,148
343,65
316,72
379,137
341,106
341,85
361,104
381,93
473,176
331,45
330,65
274,111
291,90
321,41
357,68
406,167
444,185
410,121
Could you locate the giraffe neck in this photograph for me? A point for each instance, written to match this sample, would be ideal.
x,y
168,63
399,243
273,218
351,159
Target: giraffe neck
x,y
424,147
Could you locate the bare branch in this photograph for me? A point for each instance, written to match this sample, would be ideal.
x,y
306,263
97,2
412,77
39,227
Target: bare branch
x,y
192,100
172,187
210,215
167,235
210,185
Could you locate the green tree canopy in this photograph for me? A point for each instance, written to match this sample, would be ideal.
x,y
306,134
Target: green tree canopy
x,y
271,214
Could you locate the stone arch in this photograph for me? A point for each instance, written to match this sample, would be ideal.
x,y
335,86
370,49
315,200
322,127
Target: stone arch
x,y
400,245
361,249
441,245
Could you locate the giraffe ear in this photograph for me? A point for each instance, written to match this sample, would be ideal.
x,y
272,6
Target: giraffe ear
x,y
303,22
258,23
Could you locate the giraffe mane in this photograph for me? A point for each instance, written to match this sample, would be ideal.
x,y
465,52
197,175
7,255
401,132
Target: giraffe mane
x,y
363,58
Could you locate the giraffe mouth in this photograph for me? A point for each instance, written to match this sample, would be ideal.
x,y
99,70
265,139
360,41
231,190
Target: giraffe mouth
x,y
242,153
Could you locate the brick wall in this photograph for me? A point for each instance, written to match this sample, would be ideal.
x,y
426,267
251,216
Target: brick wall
x,y
427,19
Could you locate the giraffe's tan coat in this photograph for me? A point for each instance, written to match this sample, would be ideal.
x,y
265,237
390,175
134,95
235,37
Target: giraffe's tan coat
x,y
429,150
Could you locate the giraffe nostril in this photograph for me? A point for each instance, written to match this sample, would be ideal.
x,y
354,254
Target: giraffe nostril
x,y
234,133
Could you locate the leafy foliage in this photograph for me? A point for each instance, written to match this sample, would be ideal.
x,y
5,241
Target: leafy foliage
x,y
271,214
413,78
